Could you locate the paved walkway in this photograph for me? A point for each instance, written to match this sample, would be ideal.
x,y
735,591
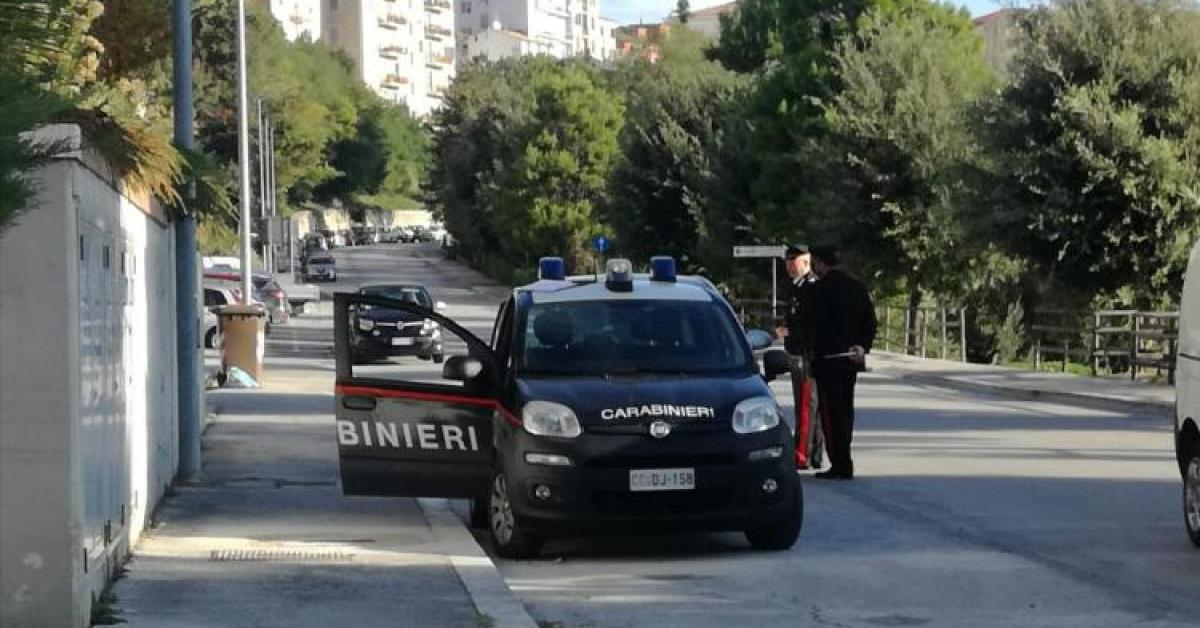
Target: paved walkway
x,y
266,539
1107,393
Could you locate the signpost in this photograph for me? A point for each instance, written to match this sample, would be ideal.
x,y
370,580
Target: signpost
x,y
771,252
600,242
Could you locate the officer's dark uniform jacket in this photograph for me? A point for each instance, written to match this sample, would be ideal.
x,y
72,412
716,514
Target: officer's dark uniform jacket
x,y
801,289
838,315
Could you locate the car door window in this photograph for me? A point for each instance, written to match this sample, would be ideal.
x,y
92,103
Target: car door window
x,y
213,298
415,402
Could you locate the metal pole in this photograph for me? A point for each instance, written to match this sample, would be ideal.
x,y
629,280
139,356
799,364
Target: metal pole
x,y
962,332
262,166
774,291
271,190
244,151
190,384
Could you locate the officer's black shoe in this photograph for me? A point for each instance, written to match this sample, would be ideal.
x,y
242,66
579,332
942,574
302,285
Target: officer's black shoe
x,y
835,474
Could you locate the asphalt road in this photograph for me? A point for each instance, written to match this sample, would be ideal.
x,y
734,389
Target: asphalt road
x,y
968,511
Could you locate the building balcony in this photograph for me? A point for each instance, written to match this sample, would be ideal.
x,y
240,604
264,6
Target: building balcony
x,y
393,81
296,19
437,33
437,61
392,21
392,52
437,6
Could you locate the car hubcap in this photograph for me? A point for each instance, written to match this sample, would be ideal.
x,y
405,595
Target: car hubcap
x,y
1191,495
501,511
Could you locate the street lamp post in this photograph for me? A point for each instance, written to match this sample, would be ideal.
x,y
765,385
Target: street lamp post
x,y
244,151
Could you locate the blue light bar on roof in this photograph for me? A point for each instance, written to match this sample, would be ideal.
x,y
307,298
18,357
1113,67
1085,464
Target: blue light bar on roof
x,y
552,268
662,268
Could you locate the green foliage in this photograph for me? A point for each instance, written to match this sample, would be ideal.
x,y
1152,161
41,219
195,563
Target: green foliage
x,y
522,154
662,190
1098,140
904,142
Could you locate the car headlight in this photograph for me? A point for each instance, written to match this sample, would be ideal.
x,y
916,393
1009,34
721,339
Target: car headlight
x,y
366,324
546,418
756,414
429,325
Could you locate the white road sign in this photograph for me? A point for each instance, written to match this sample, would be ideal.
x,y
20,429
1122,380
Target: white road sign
x,y
759,251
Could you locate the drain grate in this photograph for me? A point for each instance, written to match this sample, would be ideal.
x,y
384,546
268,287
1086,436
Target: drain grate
x,y
279,556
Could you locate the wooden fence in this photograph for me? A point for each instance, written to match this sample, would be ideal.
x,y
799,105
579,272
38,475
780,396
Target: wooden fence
x,y
929,332
1108,341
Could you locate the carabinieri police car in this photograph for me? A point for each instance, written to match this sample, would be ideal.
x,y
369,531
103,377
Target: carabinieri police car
x,y
602,404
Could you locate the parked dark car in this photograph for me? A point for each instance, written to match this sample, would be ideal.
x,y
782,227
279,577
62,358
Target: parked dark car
x,y
380,332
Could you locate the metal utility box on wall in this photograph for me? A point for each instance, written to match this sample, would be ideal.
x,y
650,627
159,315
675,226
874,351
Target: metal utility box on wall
x,y
88,412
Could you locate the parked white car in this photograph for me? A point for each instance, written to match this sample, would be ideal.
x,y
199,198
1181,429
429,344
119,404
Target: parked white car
x,y
1187,396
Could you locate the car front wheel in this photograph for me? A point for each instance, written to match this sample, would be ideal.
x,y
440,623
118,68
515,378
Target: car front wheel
x,y
1191,498
508,533
782,535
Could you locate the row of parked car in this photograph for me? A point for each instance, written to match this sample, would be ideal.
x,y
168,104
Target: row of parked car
x,y
223,286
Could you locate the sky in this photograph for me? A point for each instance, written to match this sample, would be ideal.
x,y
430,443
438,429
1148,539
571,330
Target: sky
x,y
633,11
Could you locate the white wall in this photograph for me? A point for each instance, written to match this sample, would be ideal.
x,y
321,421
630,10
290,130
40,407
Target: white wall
x,y
88,412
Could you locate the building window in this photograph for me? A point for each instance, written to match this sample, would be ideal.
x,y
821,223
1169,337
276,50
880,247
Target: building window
x,y
577,20
333,5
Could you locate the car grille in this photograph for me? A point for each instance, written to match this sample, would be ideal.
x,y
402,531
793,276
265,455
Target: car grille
x,y
661,502
660,462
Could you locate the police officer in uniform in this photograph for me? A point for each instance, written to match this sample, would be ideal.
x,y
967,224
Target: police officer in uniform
x,y
809,445
839,328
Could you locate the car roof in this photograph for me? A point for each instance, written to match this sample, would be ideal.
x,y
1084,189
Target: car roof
x,y
401,286
591,288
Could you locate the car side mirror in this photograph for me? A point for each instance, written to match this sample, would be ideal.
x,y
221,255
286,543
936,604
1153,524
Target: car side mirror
x,y
776,362
440,305
758,339
462,368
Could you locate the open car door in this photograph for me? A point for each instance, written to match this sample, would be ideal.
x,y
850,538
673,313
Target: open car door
x,y
406,426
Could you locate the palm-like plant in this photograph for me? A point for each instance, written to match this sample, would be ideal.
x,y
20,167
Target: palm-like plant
x,y
48,64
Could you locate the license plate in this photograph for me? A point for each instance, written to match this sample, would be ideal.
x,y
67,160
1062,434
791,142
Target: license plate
x,y
403,342
662,479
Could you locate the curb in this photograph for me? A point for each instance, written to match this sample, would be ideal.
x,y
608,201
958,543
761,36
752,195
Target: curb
x,y
493,600
1091,402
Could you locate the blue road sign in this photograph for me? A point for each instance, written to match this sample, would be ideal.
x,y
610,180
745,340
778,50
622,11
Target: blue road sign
x,y
601,243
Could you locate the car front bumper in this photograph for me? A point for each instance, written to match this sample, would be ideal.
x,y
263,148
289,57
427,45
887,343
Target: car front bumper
x,y
593,494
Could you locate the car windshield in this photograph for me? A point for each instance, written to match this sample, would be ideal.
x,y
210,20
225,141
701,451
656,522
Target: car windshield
x,y
630,337
412,294
322,260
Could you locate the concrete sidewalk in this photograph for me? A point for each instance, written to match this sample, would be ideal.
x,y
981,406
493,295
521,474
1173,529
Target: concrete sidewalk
x,y
1104,393
266,538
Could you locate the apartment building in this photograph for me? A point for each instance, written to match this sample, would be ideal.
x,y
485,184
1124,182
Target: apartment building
x,y
495,29
402,49
706,21
300,19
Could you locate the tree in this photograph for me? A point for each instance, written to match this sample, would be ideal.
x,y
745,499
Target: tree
x,y
662,188
522,152
555,188
1098,136
904,144
683,10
